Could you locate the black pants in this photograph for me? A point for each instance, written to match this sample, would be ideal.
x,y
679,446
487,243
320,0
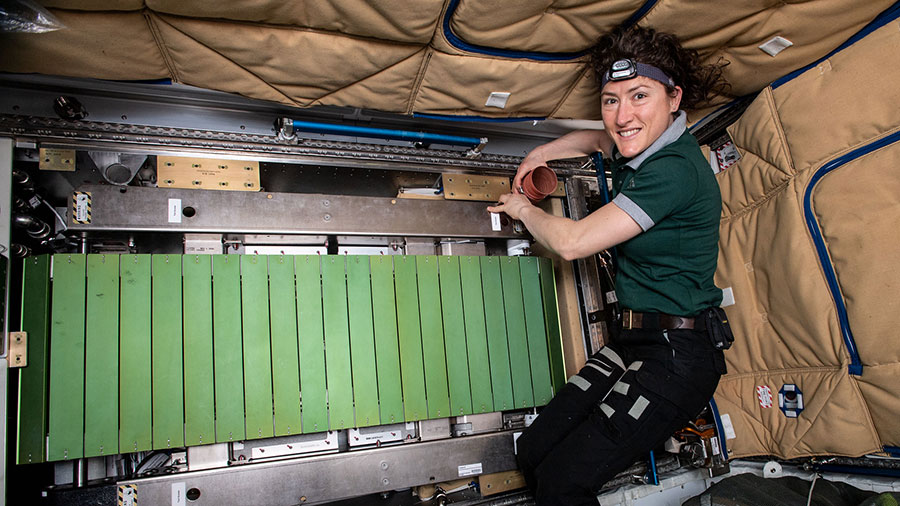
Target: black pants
x,y
627,400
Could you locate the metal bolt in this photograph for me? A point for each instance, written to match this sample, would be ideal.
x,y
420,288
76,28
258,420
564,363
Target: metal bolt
x,y
327,217
384,465
385,481
326,203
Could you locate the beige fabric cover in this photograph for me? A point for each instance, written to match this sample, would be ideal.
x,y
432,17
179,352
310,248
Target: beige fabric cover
x,y
392,55
785,318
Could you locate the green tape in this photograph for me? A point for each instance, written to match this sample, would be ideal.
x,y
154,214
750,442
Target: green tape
x,y
33,380
412,370
495,322
476,335
535,330
285,348
257,347
387,348
455,336
310,327
227,349
66,434
167,352
135,413
520,367
551,320
337,343
362,341
101,377
199,396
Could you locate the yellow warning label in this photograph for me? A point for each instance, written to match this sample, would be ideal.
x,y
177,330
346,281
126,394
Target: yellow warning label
x,y
127,495
81,207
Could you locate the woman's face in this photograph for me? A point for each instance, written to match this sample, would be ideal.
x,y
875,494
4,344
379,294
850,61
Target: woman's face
x,y
636,112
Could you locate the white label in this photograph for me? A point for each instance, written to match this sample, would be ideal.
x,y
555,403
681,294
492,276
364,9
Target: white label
x,y
497,99
611,297
729,428
178,498
726,155
410,425
495,222
764,394
714,443
174,210
775,45
727,297
83,207
470,470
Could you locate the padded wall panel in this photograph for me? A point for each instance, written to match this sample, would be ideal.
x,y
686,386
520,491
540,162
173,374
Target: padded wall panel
x,y
265,62
858,209
831,399
546,26
95,5
396,20
583,99
878,385
457,84
736,30
102,45
844,101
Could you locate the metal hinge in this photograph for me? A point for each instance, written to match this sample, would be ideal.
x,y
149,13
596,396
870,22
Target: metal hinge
x,y
18,349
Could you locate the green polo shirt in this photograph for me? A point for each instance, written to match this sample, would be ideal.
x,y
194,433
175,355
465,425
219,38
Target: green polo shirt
x,y
672,193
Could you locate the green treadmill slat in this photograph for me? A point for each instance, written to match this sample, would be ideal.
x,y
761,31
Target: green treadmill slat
x,y
135,413
227,349
337,343
257,347
199,397
310,328
520,366
387,351
285,350
66,435
31,443
362,341
534,329
412,372
551,320
455,336
436,390
167,352
495,322
101,376
476,335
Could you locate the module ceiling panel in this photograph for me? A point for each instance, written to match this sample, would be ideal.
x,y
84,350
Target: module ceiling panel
x,y
417,56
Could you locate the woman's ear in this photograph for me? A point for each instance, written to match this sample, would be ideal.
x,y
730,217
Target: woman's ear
x,y
675,99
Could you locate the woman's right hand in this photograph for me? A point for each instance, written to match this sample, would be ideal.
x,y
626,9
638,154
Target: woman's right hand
x,y
532,160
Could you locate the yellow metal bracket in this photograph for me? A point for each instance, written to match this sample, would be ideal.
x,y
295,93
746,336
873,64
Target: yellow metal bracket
x,y
18,349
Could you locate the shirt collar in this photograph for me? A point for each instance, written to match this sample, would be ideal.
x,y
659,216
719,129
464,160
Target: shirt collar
x,y
670,135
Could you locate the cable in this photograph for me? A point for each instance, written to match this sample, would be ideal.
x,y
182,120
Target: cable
x,y
811,487
53,210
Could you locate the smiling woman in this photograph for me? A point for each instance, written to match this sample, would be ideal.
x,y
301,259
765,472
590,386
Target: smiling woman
x,y
665,356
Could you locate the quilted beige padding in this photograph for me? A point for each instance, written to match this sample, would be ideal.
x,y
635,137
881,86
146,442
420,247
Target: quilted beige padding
x,y
785,318
828,425
103,45
462,84
878,385
365,54
404,21
736,29
547,26
265,61
858,209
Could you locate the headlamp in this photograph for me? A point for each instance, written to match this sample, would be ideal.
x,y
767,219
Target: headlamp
x,y
626,68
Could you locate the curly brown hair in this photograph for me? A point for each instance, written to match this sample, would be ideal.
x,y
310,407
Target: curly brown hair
x,y
699,82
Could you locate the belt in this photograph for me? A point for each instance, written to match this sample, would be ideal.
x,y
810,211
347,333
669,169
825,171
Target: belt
x,y
635,320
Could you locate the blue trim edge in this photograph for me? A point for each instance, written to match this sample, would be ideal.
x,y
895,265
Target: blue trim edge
x,y
458,43
638,14
484,119
813,226
720,430
893,451
384,133
888,15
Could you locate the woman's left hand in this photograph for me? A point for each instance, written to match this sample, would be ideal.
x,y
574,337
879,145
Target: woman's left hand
x,y
512,204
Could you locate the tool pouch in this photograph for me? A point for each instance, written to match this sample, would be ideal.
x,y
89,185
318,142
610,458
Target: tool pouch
x,y
718,328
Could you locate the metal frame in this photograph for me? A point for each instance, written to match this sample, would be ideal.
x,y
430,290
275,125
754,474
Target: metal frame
x,y
324,478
